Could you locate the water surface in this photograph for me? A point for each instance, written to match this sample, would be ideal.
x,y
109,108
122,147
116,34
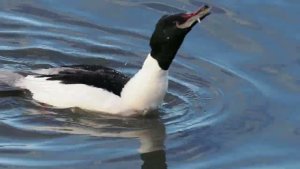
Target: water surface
x,y
233,100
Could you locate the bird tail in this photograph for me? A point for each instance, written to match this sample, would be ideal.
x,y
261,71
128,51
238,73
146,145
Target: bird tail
x,y
9,78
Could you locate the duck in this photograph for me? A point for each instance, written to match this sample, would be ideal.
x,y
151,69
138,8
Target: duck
x,y
101,89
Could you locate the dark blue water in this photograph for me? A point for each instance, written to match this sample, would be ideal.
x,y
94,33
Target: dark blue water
x,y
233,101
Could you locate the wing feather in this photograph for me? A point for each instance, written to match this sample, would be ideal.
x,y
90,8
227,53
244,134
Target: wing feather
x,y
91,75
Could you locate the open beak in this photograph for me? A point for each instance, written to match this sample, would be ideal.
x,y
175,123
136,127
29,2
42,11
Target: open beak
x,y
190,19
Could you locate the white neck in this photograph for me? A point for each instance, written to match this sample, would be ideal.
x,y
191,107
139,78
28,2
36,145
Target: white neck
x,y
147,88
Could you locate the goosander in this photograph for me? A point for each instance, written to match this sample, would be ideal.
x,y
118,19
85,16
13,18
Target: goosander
x,y
102,89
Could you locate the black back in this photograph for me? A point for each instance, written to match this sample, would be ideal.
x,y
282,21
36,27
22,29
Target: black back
x,y
92,75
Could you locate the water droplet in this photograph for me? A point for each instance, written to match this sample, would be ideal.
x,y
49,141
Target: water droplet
x,y
199,20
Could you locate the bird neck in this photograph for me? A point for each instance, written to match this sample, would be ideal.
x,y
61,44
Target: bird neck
x,y
147,88
152,64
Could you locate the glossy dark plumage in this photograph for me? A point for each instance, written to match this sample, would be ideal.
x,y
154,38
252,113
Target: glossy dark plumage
x,y
92,75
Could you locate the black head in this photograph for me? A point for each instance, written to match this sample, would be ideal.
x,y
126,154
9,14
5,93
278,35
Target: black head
x,y
170,32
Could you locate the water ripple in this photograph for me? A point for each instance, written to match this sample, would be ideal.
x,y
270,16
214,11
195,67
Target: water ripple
x,y
207,104
35,11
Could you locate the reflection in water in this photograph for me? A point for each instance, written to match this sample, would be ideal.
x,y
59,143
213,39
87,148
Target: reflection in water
x,y
150,131
152,146
155,159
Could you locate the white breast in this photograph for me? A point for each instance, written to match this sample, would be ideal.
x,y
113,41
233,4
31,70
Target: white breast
x,y
146,90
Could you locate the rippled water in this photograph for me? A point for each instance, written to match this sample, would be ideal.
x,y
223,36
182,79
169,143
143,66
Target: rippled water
x,y
233,100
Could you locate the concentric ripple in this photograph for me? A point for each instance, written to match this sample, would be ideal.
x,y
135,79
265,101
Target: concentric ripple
x,y
206,105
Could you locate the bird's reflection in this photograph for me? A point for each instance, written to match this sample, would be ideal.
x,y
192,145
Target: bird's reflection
x,y
154,160
150,131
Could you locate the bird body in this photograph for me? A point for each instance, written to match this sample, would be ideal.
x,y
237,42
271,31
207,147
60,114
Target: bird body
x,y
101,89
143,92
